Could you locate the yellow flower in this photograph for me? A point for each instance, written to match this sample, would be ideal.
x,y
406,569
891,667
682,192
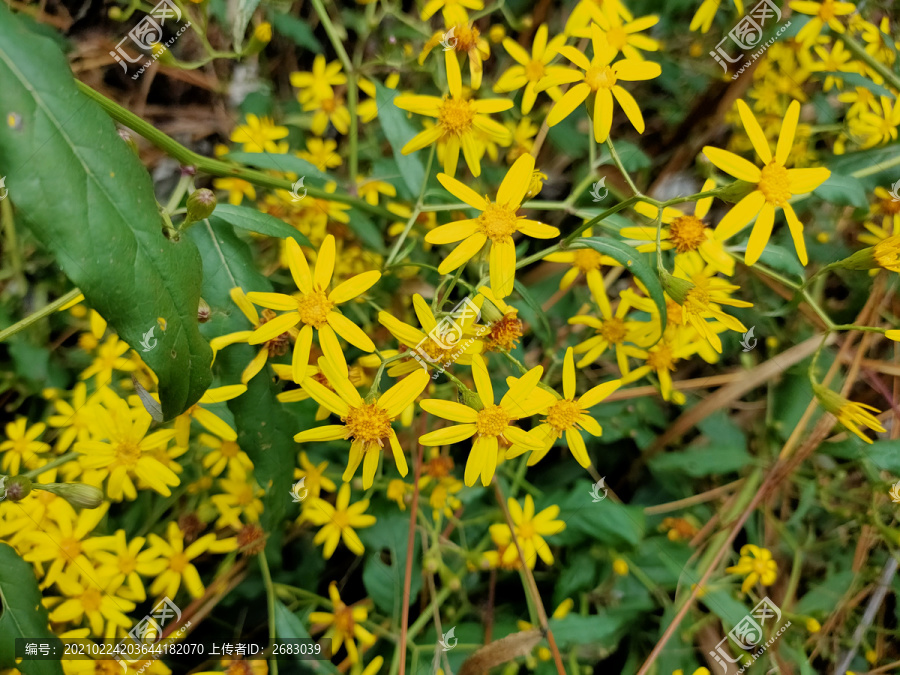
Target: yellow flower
x,y
532,68
584,261
623,36
241,498
327,110
496,223
707,12
566,415
849,413
223,454
675,345
755,564
436,352
109,358
490,425
237,189
530,530
500,334
397,491
210,421
258,134
459,119
104,607
125,451
179,568
523,133
825,12
124,562
314,308
879,127
685,233
321,153
318,84
620,566
463,39
774,184
599,78
369,189
338,521
584,12
21,446
343,623
368,423
316,480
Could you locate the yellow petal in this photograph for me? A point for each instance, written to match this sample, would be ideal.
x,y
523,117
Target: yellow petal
x,y
788,129
739,215
350,331
462,192
515,183
278,301
325,263
354,286
396,399
274,328
733,164
449,435
760,234
462,253
299,266
482,380
449,410
755,132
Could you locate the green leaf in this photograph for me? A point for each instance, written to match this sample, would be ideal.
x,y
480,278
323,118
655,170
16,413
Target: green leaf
x,y
634,262
701,462
283,163
617,525
252,220
298,31
870,161
242,16
288,626
599,630
366,231
543,325
843,191
856,80
399,132
387,540
23,615
87,198
781,260
265,430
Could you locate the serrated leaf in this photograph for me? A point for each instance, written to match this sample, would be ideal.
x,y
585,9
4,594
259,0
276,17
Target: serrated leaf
x,y
284,163
843,191
399,132
265,430
23,615
87,198
298,31
634,262
252,220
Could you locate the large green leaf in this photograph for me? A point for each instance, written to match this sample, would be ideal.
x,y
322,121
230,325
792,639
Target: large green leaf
x,y
288,626
843,191
23,615
88,199
634,262
252,220
399,132
265,431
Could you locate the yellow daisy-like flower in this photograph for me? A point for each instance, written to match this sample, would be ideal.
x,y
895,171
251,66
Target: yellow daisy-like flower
x,y
496,223
276,346
774,184
703,19
850,414
259,134
109,358
463,39
237,189
623,35
490,425
338,521
179,568
223,454
343,623
124,561
321,153
318,84
531,69
676,344
530,530
583,14
459,121
367,423
316,480
566,415
599,79
685,233
823,13
755,564
314,308
21,445
208,420
879,127
104,608
584,261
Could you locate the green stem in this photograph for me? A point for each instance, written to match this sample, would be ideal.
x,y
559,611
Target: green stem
x,y
270,596
621,167
333,36
215,167
44,311
425,616
59,461
860,53
11,245
414,215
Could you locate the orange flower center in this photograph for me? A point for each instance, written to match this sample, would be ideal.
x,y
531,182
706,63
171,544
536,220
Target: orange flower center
x,y
127,564
229,449
71,548
525,530
178,562
314,307
890,207
826,10
600,77
563,415
91,600
343,620
505,333
774,183
613,330
661,358
368,423
587,259
697,301
439,467
128,454
687,233
456,115
466,37
498,222
492,421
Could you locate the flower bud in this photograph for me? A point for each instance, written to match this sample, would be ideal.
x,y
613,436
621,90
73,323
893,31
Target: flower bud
x,y
536,184
162,54
17,488
736,191
262,35
203,311
471,399
79,495
677,289
200,205
863,259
